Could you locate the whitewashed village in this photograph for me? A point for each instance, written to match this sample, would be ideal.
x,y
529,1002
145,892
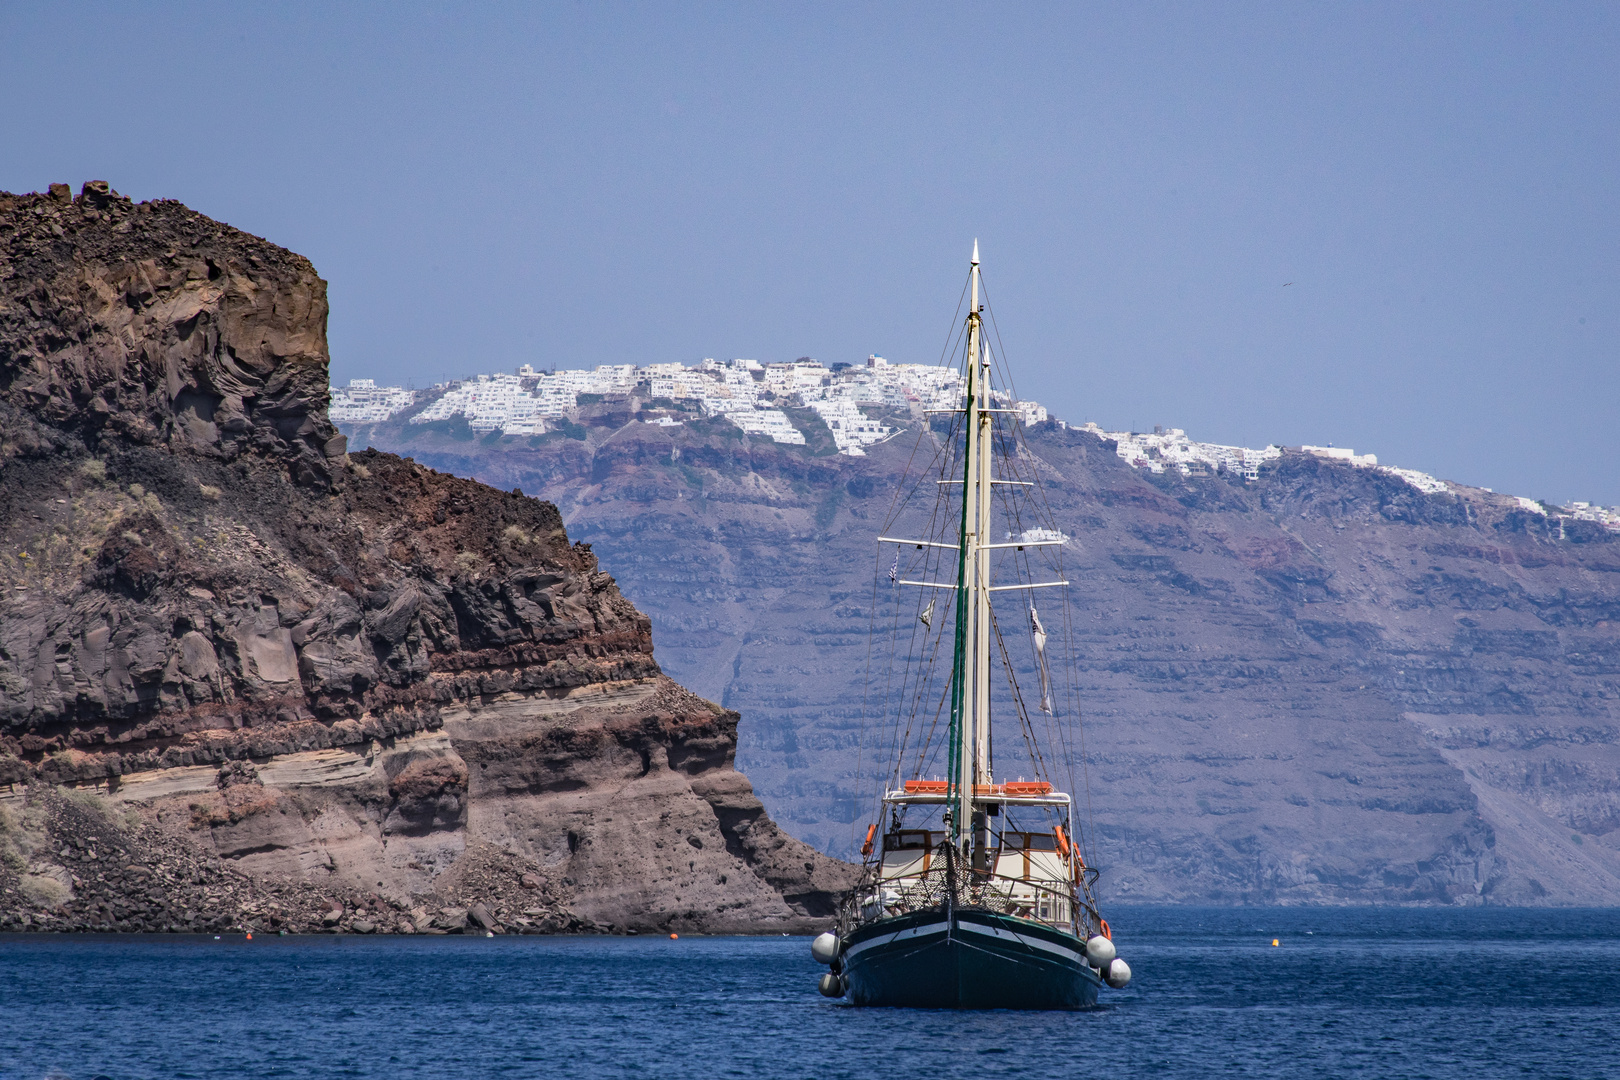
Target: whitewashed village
x,y
753,396
746,393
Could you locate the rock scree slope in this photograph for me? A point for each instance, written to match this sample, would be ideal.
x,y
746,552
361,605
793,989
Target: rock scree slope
x,y
248,681
1323,686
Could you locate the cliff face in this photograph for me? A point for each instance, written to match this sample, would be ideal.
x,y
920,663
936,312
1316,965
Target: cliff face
x,y
1324,686
284,678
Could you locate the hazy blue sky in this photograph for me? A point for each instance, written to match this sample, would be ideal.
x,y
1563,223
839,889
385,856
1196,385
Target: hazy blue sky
x,y
1388,226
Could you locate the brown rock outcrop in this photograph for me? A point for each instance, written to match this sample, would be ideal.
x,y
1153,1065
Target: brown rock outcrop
x,y
309,670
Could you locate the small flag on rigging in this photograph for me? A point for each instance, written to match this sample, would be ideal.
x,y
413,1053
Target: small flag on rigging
x,y
927,616
1040,655
894,571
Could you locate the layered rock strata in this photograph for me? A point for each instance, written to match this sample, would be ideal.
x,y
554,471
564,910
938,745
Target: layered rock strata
x,y
302,682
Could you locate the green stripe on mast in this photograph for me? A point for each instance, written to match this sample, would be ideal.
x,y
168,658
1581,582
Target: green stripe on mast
x,y
959,657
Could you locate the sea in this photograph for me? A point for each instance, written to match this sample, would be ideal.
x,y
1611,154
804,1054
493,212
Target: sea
x,y
1230,992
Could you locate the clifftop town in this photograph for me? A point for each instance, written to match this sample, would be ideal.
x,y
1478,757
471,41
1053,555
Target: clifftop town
x,y
745,394
856,407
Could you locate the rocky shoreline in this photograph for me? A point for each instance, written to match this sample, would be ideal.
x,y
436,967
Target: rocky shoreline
x,y
125,876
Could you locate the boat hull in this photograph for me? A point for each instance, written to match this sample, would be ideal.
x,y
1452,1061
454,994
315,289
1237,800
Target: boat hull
x,y
969,959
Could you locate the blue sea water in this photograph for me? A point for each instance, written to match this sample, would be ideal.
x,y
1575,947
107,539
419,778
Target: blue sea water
x,y
1377,992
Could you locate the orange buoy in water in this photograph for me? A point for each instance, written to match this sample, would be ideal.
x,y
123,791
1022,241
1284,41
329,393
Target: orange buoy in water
x,y
250,937
672,937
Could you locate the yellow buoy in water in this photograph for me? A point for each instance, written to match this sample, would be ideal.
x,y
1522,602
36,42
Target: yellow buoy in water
x,y
1275,942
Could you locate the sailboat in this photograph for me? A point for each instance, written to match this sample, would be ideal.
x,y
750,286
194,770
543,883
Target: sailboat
x,y
975,891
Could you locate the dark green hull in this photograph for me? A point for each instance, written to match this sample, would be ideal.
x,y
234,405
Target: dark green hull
x,y
970,959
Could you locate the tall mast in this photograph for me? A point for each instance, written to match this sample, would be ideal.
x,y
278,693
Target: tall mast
x,y
973,656
981,551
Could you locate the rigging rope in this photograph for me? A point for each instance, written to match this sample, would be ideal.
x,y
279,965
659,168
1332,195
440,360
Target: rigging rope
x,y
1036,761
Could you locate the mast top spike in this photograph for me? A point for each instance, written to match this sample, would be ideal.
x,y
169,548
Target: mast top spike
x,y
975,251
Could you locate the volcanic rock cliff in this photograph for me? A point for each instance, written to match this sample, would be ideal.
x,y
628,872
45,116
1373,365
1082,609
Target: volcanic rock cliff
x,y
249,680
1321,686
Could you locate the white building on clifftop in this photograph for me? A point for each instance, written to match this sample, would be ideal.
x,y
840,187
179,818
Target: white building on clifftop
x,y
364,402
1173,449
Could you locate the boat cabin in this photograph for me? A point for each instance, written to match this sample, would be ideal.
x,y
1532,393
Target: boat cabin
x,y
1029,870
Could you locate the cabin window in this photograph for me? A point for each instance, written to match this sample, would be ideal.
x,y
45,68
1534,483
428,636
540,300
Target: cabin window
x,y
908,840
1023,841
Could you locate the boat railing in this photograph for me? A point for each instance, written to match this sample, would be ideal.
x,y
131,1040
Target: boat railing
x,y
1054,902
